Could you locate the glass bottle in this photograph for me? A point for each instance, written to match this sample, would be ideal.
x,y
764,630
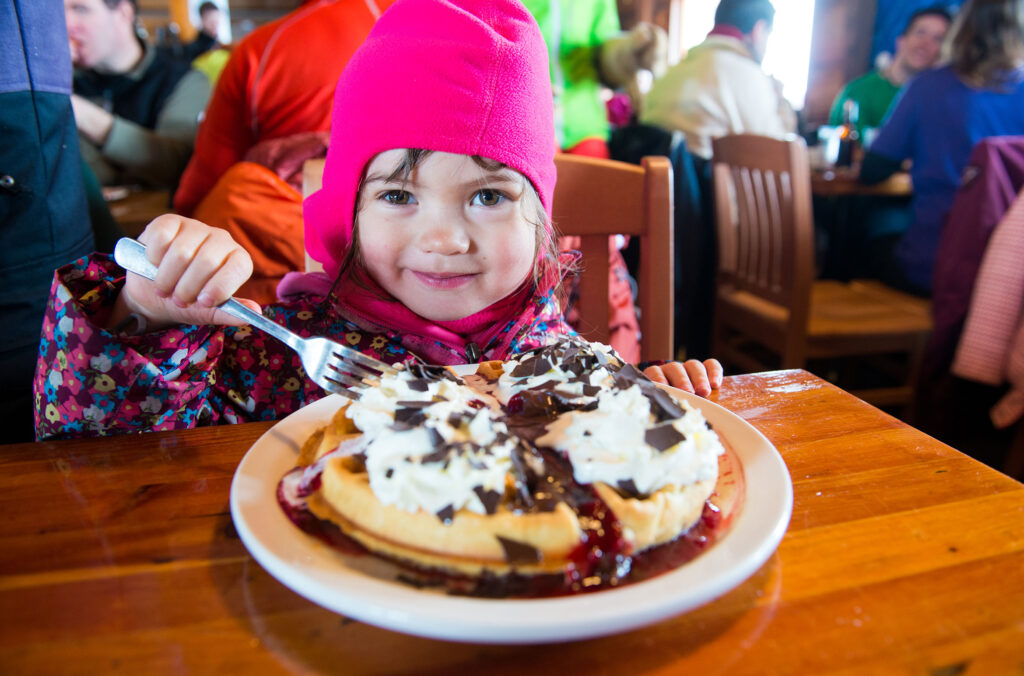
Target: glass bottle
x,y
849,137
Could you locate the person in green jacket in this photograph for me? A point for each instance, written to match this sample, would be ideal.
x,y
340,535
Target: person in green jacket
x,y
588,51
917,49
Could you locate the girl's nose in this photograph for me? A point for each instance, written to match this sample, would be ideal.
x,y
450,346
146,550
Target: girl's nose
x,y
445,236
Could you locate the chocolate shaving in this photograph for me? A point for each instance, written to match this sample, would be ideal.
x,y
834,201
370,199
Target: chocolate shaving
x,y
413,403
406,418
666,406
664,437
489,499
591,390
523,369
419,385
519,552
446,515
438,455
628,488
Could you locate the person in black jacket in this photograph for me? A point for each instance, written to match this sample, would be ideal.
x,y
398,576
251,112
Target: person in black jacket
x,y
137,108
44,221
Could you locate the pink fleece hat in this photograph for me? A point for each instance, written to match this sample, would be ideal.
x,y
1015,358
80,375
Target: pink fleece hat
x,y
458,76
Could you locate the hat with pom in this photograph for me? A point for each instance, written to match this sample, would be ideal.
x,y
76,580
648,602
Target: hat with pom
x,y
459,76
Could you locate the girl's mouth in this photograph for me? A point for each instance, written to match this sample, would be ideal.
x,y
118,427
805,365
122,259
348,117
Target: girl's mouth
x,y
443,281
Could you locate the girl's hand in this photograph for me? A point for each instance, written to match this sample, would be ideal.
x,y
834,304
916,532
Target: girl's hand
x,y
198,268
692,376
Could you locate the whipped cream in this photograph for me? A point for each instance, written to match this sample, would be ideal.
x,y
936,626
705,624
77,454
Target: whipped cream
x,y
610,444
433,443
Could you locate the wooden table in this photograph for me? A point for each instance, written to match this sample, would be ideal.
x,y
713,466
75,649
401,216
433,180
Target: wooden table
x,y
134,208
903,556
842,182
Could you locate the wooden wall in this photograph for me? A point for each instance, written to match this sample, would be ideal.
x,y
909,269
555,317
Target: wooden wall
x,y
840,51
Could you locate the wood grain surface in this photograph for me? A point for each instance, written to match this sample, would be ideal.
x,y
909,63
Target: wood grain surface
x,y
902,556
839,181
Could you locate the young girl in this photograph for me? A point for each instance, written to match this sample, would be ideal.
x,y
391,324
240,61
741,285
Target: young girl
x,y
432,226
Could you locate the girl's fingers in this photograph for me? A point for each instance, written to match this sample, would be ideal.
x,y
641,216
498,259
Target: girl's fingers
x,y
698,377
655,374
233,270
715,372
677,376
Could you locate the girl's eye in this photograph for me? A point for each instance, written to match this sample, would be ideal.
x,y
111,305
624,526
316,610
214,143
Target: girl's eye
x,y
397,197
488,198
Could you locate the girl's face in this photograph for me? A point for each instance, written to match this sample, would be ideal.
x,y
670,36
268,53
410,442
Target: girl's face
x,y
448,240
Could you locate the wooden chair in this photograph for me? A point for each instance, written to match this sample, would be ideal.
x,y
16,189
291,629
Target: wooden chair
x,y
593,200
597,198
767,296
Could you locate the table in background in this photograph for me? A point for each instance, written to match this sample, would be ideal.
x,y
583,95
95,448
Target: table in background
x,y
843,207
842,181
133,208
903,555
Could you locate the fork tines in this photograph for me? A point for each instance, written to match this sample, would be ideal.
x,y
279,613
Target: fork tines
x,y
359,359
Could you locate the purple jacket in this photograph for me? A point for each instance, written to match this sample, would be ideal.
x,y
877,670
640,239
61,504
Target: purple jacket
x,y
993,177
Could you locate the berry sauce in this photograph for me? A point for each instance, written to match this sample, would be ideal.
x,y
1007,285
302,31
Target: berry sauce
x,y
601,561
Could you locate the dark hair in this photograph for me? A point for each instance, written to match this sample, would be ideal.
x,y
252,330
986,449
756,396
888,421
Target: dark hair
x,y
987,46
743,14
936,10
208,7
114,3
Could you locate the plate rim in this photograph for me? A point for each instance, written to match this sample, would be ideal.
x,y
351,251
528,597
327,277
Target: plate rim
x,y
391,605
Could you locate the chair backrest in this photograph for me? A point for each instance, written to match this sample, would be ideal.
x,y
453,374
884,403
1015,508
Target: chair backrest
x,y
764,220
593,200
597,198
312,180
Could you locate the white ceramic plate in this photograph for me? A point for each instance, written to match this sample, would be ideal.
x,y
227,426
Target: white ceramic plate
x,y
352,586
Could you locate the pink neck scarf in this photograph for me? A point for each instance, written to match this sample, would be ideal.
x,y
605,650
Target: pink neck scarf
x,y
449,342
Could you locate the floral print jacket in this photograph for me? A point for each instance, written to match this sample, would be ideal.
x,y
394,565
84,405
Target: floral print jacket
x,y
91,381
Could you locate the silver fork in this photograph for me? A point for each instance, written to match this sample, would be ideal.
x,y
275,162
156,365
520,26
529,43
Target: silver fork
x,y
332,366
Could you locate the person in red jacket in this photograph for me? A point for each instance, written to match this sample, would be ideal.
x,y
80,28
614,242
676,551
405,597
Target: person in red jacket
x,y
278,82
271,110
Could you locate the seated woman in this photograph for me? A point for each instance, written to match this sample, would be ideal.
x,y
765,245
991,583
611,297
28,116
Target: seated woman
x,y
939,117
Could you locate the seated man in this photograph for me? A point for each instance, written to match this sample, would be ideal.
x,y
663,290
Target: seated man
x,y
917,49
137,109
206,39
720,88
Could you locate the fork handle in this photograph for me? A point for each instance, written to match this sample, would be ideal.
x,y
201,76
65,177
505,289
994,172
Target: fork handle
x,y
131,255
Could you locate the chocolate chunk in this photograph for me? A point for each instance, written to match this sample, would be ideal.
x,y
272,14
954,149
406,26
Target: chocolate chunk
x,y
591,390
419,385
524,369
413,403
490,499
406,418
665,406
446,515
519,552
663,437
541,366
439,455
628,488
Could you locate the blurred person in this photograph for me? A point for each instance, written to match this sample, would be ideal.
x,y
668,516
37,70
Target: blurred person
x,y
917,49
588,52
209,27
936,121
720,87
42,201
136,107
269,113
